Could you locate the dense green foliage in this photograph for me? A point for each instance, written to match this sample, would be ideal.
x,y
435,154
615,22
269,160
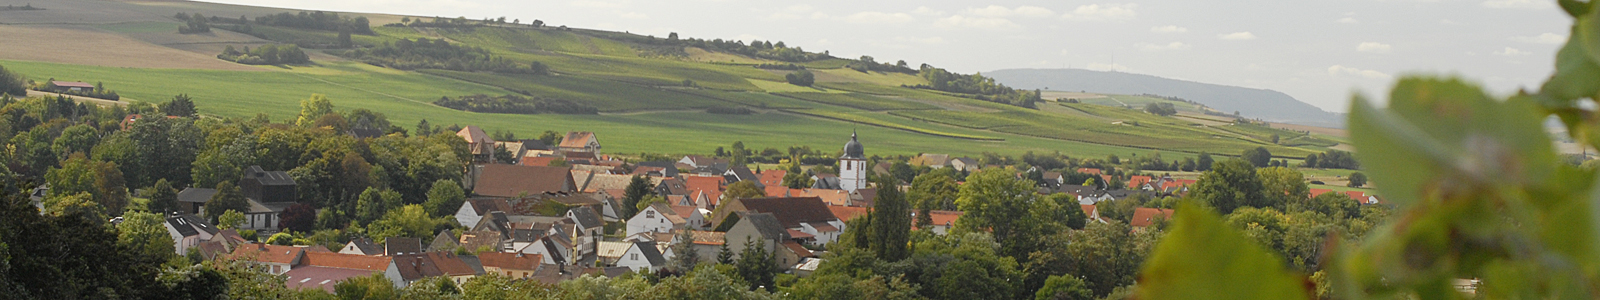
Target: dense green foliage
x,y
276,54
11,83
329,21
1161,109
424,53
513,104
195,23
801,78
984,87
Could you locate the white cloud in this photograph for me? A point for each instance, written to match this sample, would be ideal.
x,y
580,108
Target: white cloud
x,y
1546,38
1516,4
1103,12
924,10
1169,29
873,17
1348,20
996,11
1373,47
633,15
976,22
1511,52
1169,46
1237,36
1338,70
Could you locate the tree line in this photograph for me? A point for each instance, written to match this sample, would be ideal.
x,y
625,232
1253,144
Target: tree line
x,y
423,53
274,54
514,104
330,21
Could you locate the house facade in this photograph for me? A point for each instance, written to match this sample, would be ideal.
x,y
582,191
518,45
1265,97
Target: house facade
x,y
658,217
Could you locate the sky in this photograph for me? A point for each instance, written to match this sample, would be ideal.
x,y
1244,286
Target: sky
x,y
1319,51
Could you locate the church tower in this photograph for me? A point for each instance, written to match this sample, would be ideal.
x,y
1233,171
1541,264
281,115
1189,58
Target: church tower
x,y
852,166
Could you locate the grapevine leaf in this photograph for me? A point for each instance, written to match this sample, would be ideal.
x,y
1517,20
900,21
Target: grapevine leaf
x,y
1203,258
1575,69
1444,137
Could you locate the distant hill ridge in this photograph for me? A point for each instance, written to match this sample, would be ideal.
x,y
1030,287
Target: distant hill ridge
x,y
1268,105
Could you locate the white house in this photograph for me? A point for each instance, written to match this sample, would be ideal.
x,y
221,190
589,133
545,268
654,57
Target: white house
x,y
642,256
658,217
473,210
188,231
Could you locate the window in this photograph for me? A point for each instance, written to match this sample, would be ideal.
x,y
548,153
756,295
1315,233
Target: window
x,y
847,165
650,214
634,256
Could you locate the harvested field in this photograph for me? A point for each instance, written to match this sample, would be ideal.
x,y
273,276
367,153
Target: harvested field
x,y
98,48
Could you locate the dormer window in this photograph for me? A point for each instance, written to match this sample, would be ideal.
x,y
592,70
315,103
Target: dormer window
x,y
650,214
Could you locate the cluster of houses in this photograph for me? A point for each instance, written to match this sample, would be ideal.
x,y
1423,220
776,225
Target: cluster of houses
x,y
537,219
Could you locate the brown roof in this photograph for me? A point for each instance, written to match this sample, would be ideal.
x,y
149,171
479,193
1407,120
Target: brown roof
x,y
796,234
577,139
510,181
1319,192
845,213
538,161
798,250
790,212
265,253
510,261
482,206
1145,216
472,240
684,211
417,266
324,278
347,261
475,137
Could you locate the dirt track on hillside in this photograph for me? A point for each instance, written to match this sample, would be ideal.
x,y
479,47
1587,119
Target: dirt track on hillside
x,y
82,45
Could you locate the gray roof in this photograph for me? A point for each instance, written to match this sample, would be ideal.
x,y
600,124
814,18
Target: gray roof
x,y
444,242
826,183
182,226
767,225
366,246
268,177
650,253
472,261
739,173
196,195
402,245
586,217
853,149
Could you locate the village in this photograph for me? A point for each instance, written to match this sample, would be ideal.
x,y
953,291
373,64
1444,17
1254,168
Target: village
x,y
510,229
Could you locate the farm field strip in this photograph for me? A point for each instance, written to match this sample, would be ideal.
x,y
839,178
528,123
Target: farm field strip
x,y
869,120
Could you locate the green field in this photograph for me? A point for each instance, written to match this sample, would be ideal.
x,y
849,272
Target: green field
x,y
652,97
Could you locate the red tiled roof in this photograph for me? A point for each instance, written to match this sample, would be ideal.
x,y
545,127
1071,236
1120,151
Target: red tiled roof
x,y
1358,195
710,185
1319,192
576,139
537,161
1135,182
796,234
265,253
1145,216
831,197
771,178
347,261
944,217
510,261
510,181
846,213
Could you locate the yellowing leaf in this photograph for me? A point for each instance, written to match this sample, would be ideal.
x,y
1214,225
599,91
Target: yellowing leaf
x,y
1202,258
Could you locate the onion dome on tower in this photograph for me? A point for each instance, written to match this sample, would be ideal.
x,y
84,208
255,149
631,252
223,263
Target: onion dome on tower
x,y
852,149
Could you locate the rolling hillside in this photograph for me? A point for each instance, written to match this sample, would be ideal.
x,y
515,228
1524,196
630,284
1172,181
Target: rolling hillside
x,y
652,93
1268,105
